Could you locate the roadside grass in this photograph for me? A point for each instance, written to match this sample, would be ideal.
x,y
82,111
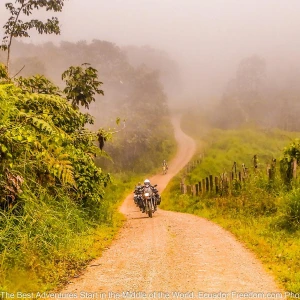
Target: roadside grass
x,y
264,216
54,241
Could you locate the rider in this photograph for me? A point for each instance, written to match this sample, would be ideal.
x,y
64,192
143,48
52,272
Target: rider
x,y
136,197
155,192
165,165
137,187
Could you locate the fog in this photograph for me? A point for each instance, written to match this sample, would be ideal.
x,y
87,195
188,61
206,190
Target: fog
x,y
207,38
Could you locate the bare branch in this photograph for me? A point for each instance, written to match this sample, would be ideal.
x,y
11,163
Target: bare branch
x,y
18,72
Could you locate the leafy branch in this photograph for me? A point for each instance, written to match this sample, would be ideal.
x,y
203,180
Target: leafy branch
x,y
81,85
15,27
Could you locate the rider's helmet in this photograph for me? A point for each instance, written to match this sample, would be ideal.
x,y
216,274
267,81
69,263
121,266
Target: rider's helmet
x,y
147,182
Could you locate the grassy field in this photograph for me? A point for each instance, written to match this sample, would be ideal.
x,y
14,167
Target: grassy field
x,y
262,215
53,256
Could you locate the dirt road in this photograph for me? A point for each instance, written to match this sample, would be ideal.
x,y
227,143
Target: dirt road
x,y
172,252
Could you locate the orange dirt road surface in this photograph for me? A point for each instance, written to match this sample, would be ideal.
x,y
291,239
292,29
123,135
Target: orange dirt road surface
x,y
172,255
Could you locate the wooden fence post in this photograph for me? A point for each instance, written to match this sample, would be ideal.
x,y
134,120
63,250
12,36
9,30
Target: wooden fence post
x,y
189,189
184,189
203,186
234,170
270,175
226,186
211,183
207,184
244,170
255,162
273,168
200,187
217,184
194,190
294,168
182,186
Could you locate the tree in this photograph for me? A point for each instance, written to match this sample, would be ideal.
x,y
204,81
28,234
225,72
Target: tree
x,y
3,73
37,84
242,99
249,76
82,84
291,153
15,27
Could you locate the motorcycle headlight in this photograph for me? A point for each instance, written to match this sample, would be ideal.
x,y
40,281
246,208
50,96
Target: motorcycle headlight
x,y
147,194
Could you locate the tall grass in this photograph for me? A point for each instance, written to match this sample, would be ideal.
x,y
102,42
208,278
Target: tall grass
x,y
54,239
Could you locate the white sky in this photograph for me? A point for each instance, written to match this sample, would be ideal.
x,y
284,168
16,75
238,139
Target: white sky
x,y
208,37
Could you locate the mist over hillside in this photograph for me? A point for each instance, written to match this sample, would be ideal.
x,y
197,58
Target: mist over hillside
x,y
197,48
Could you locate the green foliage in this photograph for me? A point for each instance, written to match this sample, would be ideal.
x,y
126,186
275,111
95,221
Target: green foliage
x,y
37,84
292,208
290,153
58,209
48,182
81,85
3,73
16,28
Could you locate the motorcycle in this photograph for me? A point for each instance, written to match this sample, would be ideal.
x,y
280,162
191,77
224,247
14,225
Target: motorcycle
x,y
165,168
156,195
149,201
138,197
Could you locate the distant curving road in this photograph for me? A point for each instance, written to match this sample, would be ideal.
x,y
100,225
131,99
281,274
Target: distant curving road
x,y
172,252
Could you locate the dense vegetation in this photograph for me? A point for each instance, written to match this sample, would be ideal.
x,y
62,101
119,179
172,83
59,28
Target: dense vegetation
x,y
263,213
49,183
55,200
136,84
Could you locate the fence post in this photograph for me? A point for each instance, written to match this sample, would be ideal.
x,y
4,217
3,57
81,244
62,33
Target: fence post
x,y
207,184
270,175
234,169
194,190
203,186
255,162
245,171
200,187
188,189
211,183
294,168
217,184
182,185
197,189
273,168
225,183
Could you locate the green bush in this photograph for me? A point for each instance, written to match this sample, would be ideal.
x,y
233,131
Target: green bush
x,y
292,208
51,192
